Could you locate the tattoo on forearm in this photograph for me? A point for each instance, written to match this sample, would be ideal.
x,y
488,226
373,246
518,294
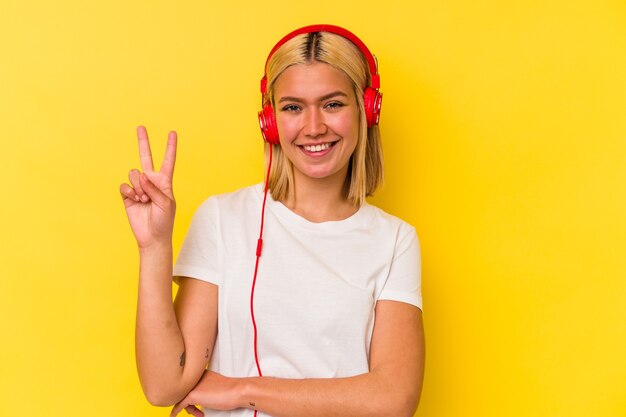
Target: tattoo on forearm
x,y
182,359
252,404
206,355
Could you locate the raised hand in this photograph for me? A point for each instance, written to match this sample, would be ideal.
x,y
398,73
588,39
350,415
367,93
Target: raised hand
x,y
149,200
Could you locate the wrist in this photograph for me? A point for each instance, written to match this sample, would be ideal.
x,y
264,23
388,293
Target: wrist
x,y
156,248
249,392
155,263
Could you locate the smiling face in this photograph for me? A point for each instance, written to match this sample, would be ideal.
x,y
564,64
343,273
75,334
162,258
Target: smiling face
x,y
318,120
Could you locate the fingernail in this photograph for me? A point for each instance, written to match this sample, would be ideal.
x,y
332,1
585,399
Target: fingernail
x,y
144,198
136,198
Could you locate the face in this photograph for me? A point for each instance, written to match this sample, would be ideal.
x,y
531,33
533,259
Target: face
x,y
318,120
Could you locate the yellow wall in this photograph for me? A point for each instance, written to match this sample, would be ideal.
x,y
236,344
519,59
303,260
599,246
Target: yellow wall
x,y
505,138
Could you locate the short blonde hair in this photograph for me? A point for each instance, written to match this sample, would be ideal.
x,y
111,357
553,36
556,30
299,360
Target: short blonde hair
x,y
365,169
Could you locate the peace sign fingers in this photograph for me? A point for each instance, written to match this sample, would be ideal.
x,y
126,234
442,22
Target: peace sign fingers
x,y
145,154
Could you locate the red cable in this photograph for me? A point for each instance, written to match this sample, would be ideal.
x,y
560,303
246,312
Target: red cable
x,y
259,248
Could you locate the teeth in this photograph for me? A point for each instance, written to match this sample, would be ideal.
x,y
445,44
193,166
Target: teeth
x,y
316,148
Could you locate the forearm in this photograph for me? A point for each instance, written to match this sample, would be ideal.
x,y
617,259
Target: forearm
x,y
158,339
375,394
391,388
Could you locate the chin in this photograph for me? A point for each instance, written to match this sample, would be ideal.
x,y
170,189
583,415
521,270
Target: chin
x,y
320,174
317,175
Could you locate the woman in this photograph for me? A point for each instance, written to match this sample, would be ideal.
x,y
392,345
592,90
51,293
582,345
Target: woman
x,y
330,312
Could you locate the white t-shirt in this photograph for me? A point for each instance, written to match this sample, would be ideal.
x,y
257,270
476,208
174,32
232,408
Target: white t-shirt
x,y
316,289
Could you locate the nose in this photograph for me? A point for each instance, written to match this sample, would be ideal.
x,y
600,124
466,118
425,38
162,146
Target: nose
x,y
315,123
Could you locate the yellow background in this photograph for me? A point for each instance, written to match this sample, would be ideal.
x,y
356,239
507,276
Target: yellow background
x,y
504,126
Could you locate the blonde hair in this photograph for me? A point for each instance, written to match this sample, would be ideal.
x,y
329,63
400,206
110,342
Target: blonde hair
x,y
365,169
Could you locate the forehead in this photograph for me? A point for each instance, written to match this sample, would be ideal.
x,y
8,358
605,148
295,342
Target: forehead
x,y
317,79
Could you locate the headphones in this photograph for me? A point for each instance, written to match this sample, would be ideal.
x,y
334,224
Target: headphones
x,y
372,98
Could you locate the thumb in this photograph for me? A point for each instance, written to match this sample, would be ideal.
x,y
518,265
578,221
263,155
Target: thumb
x,y
155,194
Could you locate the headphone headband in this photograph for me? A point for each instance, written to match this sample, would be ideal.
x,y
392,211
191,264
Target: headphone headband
x,y
371,60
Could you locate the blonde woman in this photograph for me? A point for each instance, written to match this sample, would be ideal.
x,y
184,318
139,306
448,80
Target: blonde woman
x,y
304,301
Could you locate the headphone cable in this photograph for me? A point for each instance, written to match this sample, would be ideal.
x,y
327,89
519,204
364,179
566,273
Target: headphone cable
x,y
259,249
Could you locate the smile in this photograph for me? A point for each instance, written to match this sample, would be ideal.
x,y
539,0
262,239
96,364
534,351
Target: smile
x,y
317,148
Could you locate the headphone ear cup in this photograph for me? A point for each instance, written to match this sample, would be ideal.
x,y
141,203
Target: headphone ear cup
x,y
267,122
372,100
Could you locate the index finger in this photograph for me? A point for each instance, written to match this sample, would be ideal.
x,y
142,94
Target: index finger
x,y
145,154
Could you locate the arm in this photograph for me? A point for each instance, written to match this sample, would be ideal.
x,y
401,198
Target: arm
x,y
172,343
391,388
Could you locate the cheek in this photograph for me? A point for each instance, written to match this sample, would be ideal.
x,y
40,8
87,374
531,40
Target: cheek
x,y
287,127
348,124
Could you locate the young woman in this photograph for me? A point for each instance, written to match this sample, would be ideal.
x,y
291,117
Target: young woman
x,y
319,316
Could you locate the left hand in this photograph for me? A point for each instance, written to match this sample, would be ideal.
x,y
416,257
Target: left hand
x,y
213,391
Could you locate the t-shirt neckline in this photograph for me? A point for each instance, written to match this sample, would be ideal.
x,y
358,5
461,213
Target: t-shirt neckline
x,y
356,220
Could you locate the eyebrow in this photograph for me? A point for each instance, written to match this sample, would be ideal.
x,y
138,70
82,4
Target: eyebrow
x,y
324,97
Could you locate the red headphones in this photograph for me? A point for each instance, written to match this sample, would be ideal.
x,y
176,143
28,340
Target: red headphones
x,y
372,98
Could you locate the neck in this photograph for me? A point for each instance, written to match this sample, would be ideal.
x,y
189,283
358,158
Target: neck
x,y
320,200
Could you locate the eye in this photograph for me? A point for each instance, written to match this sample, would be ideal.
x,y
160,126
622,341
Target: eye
x,y
290,108
334,105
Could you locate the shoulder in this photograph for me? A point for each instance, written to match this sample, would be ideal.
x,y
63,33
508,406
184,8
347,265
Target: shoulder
x,y
232,208
391,223
233,201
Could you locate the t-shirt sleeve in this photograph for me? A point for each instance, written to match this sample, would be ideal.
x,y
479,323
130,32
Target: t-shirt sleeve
x,y
199,256
404,282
